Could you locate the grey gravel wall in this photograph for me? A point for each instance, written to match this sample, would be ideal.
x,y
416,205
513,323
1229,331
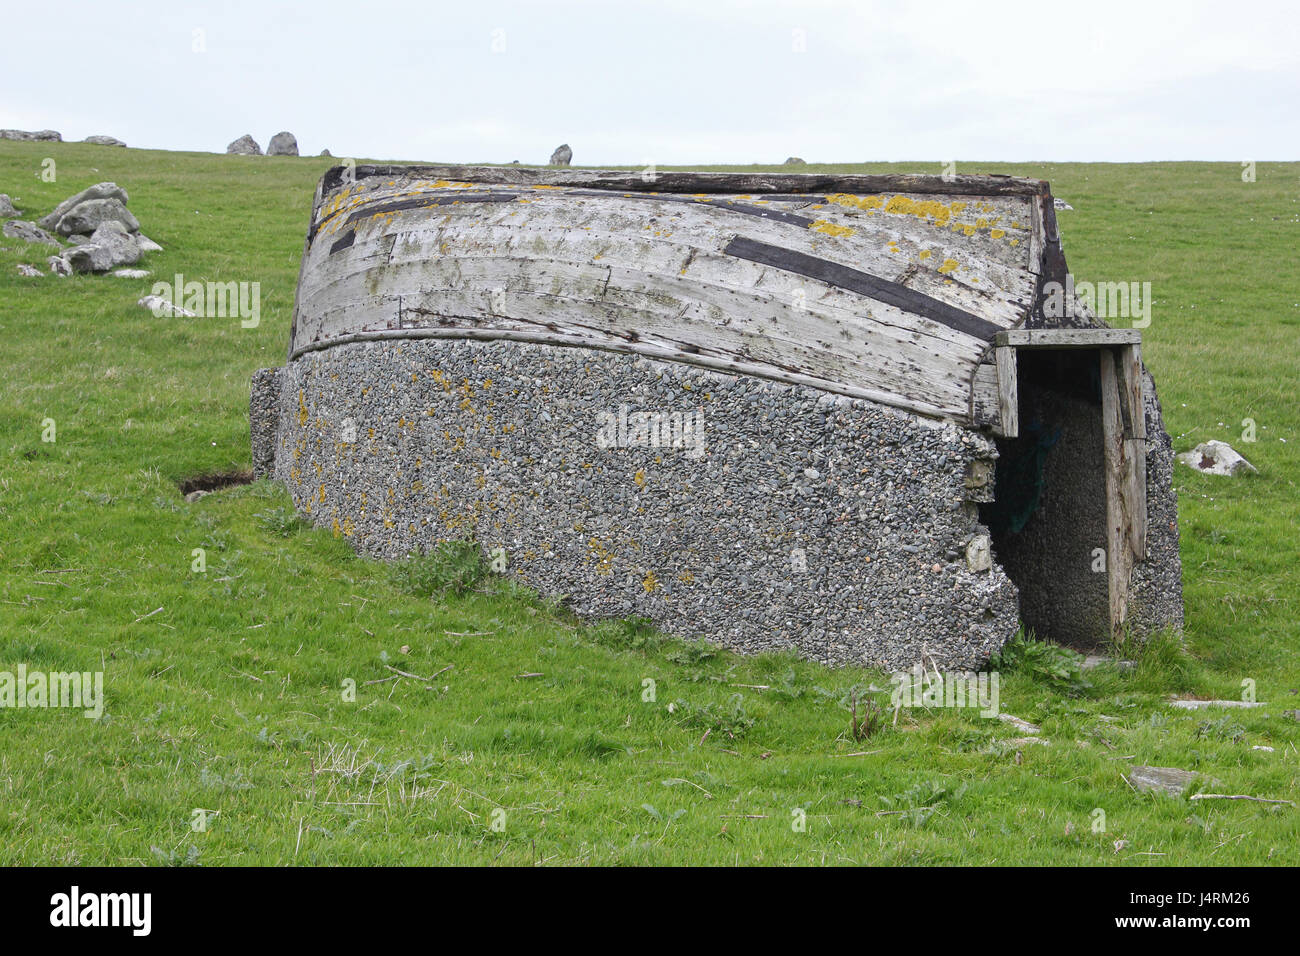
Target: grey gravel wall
x,y
830,526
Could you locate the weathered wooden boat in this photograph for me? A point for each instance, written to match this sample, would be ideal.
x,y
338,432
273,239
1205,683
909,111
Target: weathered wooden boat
x,y
903,317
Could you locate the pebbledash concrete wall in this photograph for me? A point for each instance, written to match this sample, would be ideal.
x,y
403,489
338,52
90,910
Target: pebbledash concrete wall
x,y
835,527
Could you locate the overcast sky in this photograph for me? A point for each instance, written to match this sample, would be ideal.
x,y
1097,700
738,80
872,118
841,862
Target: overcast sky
x,y
672,82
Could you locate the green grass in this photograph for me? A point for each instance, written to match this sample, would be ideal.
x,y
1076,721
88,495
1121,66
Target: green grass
x,y
233,698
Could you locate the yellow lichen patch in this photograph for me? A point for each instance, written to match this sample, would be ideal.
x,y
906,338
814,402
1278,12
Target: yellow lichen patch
x,y
1015,242
865,203
302,409
686,577
322,494
639,478
957,206
949,265
924,254
926,209
650,583
968,230
603,558
830,229
998,233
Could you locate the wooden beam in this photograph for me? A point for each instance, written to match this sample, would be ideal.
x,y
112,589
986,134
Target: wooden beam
x,y
1125,464
1008,392
1068,338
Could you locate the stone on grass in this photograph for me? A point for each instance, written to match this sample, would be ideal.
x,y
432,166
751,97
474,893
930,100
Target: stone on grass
x,y
562,155
1206,704
794,161
97,191
101,140
31,271
110,246
84,218
132,273
1160,779
58,266
28,136
147,244
1216,457
282,144
1024,726
163,307
245,146
1061,204
7,210
326,152
28,232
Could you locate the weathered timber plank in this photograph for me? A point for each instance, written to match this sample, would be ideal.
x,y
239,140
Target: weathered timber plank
x,y
1068,338
1008,392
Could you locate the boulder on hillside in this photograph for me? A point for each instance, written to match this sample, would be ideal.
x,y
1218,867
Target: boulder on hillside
x,y
282,144
147,244
84,218
30,272
794,161
1216,457
58,266
39,136
7,210
245,146
326,152
562,156
97,191
28,232
101,140
110,246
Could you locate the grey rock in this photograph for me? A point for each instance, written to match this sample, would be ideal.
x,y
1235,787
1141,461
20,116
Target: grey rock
x,y
147,244
7,210
101,140
28,232
132,273
97,191
39,136
58,266
562,155
1216,457
326,152
163,307
1062,204
245,146
110,246
78,240
794,161
29,271
282,144
85,217
1207,704
1024,726
1160,779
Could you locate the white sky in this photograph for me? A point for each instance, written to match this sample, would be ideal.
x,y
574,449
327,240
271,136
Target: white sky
x,y
672,82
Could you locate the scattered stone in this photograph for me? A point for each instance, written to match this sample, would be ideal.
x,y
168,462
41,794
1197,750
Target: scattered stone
x,y
147,244
86,217
562,156
1267,750
58,266
1204,704
28,232
1062,204
1024,726
794,161
1216,457
1016,743
97,191
39,136
78,240
245,146
1098,660
7,210
514,162
979,556
162,307
110,246
101,140
1293,714
326,152
132,273
1165,779
30,271
282,144
194,496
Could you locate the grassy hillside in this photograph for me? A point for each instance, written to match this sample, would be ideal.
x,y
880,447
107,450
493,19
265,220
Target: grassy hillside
x,y
224,688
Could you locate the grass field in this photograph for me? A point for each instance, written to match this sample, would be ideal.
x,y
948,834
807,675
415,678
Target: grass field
x,y
224,688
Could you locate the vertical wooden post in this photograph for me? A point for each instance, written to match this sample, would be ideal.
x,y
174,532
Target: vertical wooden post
x,y
1008,391
1124,441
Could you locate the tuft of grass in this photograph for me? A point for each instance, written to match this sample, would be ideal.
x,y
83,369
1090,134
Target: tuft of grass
x,y
452,567
1056,666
